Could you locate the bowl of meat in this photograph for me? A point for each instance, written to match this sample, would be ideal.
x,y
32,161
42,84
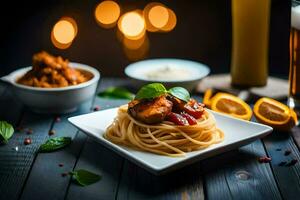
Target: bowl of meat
x,y
53,84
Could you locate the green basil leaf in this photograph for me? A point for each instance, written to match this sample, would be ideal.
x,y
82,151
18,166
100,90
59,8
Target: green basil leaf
x,y
151,91
180,93
84,177
6,131
55,144
116,93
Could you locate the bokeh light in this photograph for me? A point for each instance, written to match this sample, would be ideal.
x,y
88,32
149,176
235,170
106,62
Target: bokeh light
x,y
107,13
146,10
158,16
139,53
171,22
64,32
132,25
134,44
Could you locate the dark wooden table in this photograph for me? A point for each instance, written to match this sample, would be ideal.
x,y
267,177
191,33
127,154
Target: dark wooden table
x,y
25,174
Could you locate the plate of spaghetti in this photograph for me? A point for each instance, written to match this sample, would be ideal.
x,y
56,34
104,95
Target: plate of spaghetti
x,y
162,130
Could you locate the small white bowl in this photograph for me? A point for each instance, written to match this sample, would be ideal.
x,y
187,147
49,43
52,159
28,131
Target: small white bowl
x,y
189,72
54,100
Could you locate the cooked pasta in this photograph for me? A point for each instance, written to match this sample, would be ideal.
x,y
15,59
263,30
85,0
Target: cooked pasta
x,y
164,138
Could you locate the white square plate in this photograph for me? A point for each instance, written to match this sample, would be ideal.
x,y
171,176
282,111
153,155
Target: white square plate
x,y
237,133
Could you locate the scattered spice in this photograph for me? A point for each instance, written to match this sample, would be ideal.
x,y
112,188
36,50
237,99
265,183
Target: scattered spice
x,y
283,163
29,131
27,141
57,119
64,174
51,132
278,149
287,152
60,165
96,108
292,162
264,159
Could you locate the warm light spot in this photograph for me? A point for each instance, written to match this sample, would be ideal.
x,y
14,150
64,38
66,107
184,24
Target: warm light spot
x,y
132,25
107,13
58,44
158,16
137,54
146,10
134,44
171,22
64,32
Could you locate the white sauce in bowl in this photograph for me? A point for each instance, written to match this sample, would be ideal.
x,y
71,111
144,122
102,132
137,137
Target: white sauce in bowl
x,y
167,70
168,73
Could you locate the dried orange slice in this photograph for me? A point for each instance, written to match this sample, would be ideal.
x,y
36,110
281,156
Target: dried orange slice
x,y
207,97
273,113
231,105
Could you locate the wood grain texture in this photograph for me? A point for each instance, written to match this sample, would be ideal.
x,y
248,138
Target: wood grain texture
x,y
15,165
102,161
239,175
10,160
233,175
287,177
46,172
296,135
137,183
98,159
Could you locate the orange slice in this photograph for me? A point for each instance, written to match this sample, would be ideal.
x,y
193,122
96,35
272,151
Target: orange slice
x,y
273,113
207,97
231,105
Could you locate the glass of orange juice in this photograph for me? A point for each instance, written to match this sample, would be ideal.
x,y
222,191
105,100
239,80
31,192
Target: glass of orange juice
x,y
250,31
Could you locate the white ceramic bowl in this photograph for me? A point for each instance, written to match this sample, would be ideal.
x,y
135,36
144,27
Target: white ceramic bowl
x,y
54,100
192,72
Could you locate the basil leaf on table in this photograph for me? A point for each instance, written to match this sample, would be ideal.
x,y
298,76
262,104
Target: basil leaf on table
x,y
84,177
151,91
54,144
6,131
180,93
117,92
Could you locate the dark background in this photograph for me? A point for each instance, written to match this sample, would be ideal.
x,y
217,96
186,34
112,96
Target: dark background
x,y
202,33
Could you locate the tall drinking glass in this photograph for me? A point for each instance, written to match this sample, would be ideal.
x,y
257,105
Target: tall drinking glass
x,y
250,31
294,74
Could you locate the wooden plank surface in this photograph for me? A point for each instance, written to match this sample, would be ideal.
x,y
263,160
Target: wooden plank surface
x,y
96,158
233,175
239,175
17,164
46,172
137,183
295,132
287,177
10,160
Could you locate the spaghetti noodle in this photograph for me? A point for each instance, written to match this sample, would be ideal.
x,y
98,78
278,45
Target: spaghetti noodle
x,y
164,138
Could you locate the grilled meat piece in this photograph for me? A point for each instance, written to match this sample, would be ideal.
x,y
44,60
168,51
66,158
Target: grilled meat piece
x,y
192,107
150,111
178,105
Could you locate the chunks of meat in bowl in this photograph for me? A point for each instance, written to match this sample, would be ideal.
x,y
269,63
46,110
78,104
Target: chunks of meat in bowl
x,y
50,72
150,111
